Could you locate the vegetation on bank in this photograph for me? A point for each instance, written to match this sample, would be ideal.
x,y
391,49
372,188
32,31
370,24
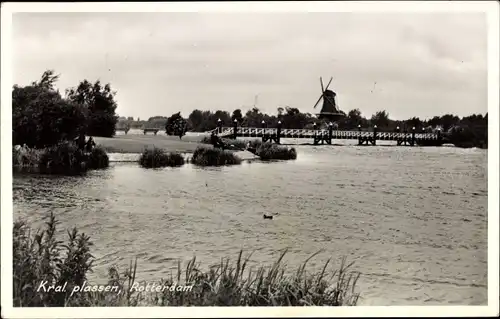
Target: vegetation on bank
x,y
157,157
204,156
39,256
47,124
63,158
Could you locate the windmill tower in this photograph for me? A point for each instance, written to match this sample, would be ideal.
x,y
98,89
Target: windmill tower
x,y
330,110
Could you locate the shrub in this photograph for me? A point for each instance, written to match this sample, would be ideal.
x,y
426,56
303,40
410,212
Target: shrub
x,y
154,158
203,156
98,158
64,157
468,136
39,256
26,157
269,151
229,143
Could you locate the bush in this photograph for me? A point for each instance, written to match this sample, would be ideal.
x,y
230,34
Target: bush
x,y
229,143
26,157
203,156
65,157
38,256
468,136
154,158
98,158
269,151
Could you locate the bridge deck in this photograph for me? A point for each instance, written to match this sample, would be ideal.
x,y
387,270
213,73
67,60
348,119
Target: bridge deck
x,y
305,133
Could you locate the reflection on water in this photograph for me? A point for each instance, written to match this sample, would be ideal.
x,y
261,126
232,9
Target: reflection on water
x,y
413,219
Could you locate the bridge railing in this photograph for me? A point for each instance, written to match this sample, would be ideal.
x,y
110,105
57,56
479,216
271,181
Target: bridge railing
x,y
309,132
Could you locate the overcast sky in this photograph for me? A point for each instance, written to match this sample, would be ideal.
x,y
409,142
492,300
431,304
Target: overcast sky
x,y
413,64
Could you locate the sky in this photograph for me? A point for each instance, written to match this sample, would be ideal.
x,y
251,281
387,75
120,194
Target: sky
x,y
409,64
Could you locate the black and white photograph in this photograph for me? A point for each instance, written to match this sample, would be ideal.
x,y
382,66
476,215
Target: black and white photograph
x,y
292,158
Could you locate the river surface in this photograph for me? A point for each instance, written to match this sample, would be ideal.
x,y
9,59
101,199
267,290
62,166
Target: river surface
x,y
413,219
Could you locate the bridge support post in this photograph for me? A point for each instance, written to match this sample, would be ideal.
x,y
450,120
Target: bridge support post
x,y
219,126
374,142
278,133
330,133
413,136
360,140
235,129
315,134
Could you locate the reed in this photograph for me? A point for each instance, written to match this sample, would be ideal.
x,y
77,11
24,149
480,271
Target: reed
x,y
40,256
156,158
204,156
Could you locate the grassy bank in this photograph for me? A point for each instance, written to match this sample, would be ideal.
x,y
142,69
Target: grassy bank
x,y
138,143
38,256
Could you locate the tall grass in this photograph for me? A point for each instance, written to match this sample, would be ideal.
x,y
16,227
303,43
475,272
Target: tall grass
x,y
156,157
40,256
204,156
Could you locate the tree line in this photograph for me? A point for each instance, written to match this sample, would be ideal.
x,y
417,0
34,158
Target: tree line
x,y
466,131
42,117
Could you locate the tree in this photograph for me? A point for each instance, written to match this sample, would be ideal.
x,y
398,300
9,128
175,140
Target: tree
x,y
175,125
195,120
41,117
237,116
100,107
414,122
381,119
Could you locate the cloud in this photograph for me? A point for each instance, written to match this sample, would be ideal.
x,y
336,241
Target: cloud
x,y
160,63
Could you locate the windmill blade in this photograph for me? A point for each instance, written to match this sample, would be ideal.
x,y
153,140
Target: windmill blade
x,y
318,101
329,83
322,88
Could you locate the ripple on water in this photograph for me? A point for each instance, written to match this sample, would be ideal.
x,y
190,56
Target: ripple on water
x,y
415,225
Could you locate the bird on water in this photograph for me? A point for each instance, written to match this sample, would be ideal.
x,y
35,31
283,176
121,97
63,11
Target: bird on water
x,y
267,217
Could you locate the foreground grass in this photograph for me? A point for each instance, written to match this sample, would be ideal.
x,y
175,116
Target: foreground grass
x,y
39,256
154,158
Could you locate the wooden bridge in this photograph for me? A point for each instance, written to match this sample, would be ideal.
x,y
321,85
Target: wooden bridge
x,y
322,136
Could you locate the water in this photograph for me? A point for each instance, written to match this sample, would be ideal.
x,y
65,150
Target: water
x,y
414,220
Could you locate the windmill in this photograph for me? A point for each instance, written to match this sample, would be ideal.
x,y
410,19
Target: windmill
x,y
329,111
